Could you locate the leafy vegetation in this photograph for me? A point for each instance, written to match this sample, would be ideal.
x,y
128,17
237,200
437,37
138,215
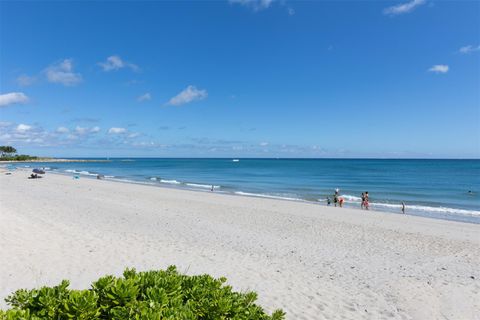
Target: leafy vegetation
x,y
9,153
163,294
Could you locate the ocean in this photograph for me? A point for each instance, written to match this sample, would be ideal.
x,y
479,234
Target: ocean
x,y
443,189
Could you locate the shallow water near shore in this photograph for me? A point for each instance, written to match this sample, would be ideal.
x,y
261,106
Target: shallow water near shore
x,y
445,189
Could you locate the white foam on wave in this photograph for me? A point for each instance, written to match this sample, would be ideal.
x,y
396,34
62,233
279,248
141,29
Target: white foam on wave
x,y
235,160
132,181
204,186
86,173
348,197
269,196
165,180
83,172
170,181
444,210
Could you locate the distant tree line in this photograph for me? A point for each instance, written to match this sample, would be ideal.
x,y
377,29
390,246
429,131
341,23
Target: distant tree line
x,y
9,153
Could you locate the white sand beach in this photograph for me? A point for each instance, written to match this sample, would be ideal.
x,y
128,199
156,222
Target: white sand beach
x,y
313,261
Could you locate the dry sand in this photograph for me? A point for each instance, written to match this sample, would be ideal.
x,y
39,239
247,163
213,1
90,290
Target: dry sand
x,y
313,261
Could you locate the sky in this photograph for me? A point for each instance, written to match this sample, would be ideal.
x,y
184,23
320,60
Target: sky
x,y
241,78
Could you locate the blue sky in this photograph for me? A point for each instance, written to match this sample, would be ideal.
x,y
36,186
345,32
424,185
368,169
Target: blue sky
x,y
241,78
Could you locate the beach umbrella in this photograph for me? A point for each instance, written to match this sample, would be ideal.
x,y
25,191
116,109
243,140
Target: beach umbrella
x,y
39,171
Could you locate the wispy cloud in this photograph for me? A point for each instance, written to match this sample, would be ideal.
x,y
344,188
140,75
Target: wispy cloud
x,y
24,80
144,97
81,130
95,129
22,134
116,63
62,130
403,8
77,134
90,137
469,49
7,99
439,68
133,135
21,128
254,4
189,94
63,73
115,130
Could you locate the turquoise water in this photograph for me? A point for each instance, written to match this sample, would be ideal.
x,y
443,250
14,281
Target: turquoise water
x,y
431,188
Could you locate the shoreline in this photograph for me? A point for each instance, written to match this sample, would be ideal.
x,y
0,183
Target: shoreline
x,y
53,160
312,261
461,215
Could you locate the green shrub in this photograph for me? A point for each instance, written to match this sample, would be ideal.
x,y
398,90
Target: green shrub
x,y
24,157
163,294
20,157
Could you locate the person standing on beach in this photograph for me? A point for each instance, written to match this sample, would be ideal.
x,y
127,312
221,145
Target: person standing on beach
x,y
403,207
363,201
335,197
328,201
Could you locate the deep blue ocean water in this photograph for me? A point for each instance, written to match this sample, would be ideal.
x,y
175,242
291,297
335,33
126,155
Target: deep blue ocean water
x,y
431,188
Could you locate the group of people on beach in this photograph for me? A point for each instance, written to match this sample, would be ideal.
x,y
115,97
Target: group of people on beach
x,y
337,199
365,204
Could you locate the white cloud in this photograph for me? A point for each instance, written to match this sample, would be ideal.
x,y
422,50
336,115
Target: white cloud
x,y
25,80
290,11
62,130
12,98
21,128
24,134
263,144
116,63
81,130
403,8
63,73
254,4
72,137
439,68
133,135
469,49
144,97
95,129
117,130
191,93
